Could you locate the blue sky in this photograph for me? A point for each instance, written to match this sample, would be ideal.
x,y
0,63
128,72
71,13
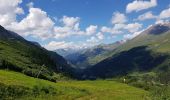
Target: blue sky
x,y
76,24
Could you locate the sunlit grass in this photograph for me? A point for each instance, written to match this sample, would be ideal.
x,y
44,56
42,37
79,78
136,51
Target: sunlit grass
x,y
71,90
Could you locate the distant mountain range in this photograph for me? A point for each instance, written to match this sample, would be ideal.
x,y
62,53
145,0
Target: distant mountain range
x,y
30,58
67,51
82,58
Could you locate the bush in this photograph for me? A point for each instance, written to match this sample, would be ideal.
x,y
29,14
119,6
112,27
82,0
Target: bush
x,y
161,93
38,90
13,92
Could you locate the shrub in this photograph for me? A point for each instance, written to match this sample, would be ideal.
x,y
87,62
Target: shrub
x,y
12,92
161,93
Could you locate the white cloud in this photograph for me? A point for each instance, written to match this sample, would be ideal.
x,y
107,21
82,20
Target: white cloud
x,y
161,21
165,14
9,10
139,5
71,27
91,29
163,17
120,28
36,23
133,27
146,16
118,18
111,30
72,22
19,11
30,5
61,32
53,45
132,35
106,29
100,36
92,40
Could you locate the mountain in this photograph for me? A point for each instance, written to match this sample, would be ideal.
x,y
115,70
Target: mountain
x,y
149,51
36,43
5,34
65,52
84,58
30,58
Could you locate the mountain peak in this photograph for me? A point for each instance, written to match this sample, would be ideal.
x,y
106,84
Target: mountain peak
x,y
3,32
9,35
1,27
158,28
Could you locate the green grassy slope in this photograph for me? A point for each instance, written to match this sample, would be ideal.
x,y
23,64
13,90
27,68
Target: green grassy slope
x,y
18,86
20,55
159,43
153,37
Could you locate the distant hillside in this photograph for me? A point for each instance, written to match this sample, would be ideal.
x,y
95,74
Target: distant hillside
x,y
30,58
150,51
83,58
66,52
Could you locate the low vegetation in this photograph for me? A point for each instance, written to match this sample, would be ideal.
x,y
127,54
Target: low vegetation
x,y
157,84
18,86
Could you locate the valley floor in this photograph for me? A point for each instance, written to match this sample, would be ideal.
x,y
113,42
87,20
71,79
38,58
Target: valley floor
x,y
18,86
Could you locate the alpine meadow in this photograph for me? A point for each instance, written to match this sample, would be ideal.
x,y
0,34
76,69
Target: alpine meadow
x,y
84,50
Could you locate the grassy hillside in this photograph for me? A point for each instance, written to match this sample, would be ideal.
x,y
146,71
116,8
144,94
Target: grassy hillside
x,y
20,55
156,42
159,42
156,37
18,86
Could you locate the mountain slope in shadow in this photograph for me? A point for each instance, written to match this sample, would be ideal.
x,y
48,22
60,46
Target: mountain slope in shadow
x,y
135,59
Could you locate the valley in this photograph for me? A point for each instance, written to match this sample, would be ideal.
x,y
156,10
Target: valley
x,y
29,70
84,49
